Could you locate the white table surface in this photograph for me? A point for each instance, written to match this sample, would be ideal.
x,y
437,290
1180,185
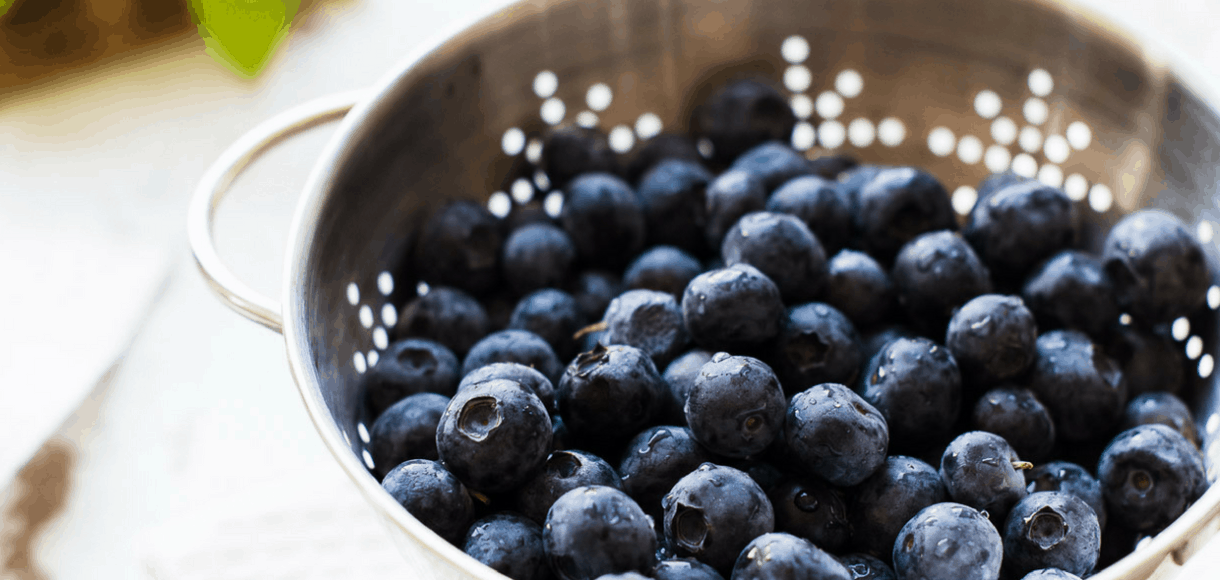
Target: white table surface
x,y
199,420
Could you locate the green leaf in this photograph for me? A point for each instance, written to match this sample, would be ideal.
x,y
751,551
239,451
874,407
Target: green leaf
x,y
243,34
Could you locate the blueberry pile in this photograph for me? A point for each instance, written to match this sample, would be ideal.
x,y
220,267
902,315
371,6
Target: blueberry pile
x,y
747,364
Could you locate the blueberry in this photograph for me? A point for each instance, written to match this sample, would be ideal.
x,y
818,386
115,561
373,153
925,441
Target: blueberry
x,y
816,344
822,204
608,394
407,430
979,470
781,556
1158,267
915,384
731,195
896,206
713,512
604,218
593,291
537,256
528,377
564,471
1072,290
1050,574
408,367
1051,529
551,314
741,115
509,544
948,540
494,435
736,407
835,434
685,569
733,308
659,148
889,498
521,215
782,247
936,273
866,567
446,315
1020,418
773,163
664,269
460,246
1081,386
859,288
810,509
1163,408
571,151
1020,225
997,181
872,342
680,378
648,320
1151,362
655,460
518,346
832,166
993,338
1068,478
624,576
1149,475
596,530
672,195
433,496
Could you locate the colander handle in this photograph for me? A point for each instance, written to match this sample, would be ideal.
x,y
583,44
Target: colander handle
x,y
215,184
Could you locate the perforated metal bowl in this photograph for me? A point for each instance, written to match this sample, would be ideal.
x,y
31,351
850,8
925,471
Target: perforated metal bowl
x,y
960,87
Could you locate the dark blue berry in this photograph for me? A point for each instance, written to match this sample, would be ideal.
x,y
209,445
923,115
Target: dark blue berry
x,y
781,556
916,385
896,206
408,367
659,148
1020,225
608,394
858,286
993,338
816,344
593,291
948,540
889,498
741,115
1163,408
866,567
433,496
822,204
835,434
1072,290
648,320
1149,475
736,407
1068,478
1051,529
978,470
446,315
564,471
782,247
528,377
1157,266
571,151
1050,574
997,181
551,314
655,460
494,435
832,166
624,576
604,218
871,343
591,531
672,196
713,512
407,430
537,256
510,544
519,346
1081,386
773,163
731,195
935,274
460,246
734,308
685,569
664,269
810,509
1020,418
680,377
1151,362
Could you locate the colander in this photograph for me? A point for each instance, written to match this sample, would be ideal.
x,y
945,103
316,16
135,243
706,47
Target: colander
x,y
960,87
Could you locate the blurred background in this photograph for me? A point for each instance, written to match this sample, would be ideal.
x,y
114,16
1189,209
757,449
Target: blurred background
x,y
147,431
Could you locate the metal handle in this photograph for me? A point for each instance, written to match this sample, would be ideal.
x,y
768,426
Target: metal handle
x,y
215,184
